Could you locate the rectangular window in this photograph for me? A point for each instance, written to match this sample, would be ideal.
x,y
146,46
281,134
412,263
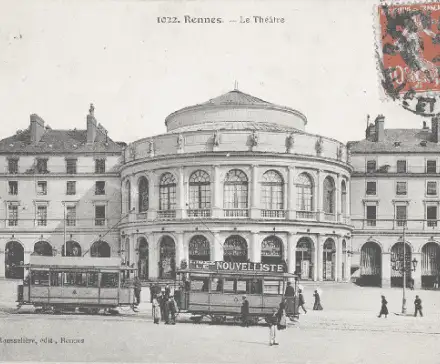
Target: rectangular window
x,y
42,215
431,188
431,166
109,280
13,187
401,215
100,188
71,166
12,215
371,166
71,215
42,165
71,188
13,166
371,188
41,188
401,188
401,166
371,215
431,215
99,165
100,215
40,278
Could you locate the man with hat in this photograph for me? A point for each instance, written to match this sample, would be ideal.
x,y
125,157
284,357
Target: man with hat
x,y
245,312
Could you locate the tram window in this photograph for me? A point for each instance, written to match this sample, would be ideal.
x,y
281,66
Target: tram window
x,y
40,278
255,286
199,284
109,280
92,279
273,287
228,286
55,279
241,286
235,286
217,285
75,279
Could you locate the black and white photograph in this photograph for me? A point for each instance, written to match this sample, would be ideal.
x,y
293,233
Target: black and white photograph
x,y
206,181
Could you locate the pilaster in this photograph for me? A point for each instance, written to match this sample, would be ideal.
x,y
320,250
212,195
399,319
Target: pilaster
x,y
255,251
153,257
255,194
417,274
217,193
180,250
291,252
319,264
386,270
181,211
338,270
217,247
319,196
153,196
291,195
338,200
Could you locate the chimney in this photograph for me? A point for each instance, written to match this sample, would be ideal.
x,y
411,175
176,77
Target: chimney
x,y
91,125
435,129
370,133
380,128
37,128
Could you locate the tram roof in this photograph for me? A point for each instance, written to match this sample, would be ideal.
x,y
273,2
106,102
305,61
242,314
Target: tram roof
x,y
75,262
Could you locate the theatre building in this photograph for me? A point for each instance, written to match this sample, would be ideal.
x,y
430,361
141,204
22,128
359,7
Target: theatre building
x,y
395,201
59,188
237,179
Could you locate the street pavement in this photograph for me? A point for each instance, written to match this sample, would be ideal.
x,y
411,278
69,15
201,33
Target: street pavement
x,y
347,331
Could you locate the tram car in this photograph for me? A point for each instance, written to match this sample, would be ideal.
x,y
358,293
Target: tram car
x,y
215,290
88,284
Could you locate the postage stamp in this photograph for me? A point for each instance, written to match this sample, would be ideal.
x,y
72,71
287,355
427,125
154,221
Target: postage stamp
x,y
409,55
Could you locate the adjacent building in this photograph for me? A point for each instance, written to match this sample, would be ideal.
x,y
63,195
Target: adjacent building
x,y
58,186
395,201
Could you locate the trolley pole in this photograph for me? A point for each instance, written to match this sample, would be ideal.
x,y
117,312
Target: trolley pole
x,y
404,274
65,228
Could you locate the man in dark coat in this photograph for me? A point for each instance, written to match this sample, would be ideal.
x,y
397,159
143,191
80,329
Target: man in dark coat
x,y
137,290
172,307
383,308
301,301
245,312
418,306
290,291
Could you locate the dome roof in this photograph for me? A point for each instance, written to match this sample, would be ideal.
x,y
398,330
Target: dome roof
x,y
235,106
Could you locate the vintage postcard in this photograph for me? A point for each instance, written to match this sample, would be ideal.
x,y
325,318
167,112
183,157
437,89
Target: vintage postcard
x,y
219,181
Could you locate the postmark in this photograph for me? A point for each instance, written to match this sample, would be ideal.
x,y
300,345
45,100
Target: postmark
x,y
408,53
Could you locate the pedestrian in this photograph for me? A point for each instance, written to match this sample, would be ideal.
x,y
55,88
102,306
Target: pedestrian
x,y
301,301
162,302
282,318
167,291
418,306
383,308
436,282
245,312
273,326
137,290
411,284
166,310
172,307
290,291
156,310
317,305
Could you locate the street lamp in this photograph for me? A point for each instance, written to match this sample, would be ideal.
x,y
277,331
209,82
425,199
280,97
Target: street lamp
x,y
404,268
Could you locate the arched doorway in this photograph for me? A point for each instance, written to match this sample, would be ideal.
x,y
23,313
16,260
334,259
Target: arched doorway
x,y
235,249
398,262
328,260
43,248
371,265
430,264
100,249
304,258
14,257
167,264
272,250
143,258
73,249
199,248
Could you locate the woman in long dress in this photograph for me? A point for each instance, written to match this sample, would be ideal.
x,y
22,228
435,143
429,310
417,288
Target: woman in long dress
x,y
317,304
383,308
156,310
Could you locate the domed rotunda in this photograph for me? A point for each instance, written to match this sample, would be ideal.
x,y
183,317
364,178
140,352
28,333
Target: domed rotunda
x,y
236,179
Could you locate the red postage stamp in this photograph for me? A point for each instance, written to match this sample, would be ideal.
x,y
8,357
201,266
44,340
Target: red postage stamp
x,y
409,54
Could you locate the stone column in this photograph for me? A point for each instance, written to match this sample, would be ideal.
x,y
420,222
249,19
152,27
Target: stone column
x,y
319,265
255,194
255,248
2,263
319,196
386,269
180,250
338,270
153,192
291,194
291,252
134,197
153,257
348,261
338,198
217,247
217,194
181,209
417,274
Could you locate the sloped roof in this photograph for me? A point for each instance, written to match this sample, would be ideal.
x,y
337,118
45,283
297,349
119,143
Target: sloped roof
x,y
410,141
235,125
57,141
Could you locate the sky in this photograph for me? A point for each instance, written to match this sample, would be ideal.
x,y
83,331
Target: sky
x,y
56,57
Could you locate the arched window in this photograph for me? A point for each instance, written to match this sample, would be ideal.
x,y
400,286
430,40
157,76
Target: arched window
x,y
128,195
14,259
235,190
167,263
199,191
100,249
235,249
43,248
272,196
272,250
199,248
343,198
143,194
167,192
304,193
73,249
329,195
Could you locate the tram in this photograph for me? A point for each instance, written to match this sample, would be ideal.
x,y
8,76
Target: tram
x,y
88,284
215,290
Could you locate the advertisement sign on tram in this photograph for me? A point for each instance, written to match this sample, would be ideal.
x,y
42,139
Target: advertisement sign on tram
x,y
237,267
